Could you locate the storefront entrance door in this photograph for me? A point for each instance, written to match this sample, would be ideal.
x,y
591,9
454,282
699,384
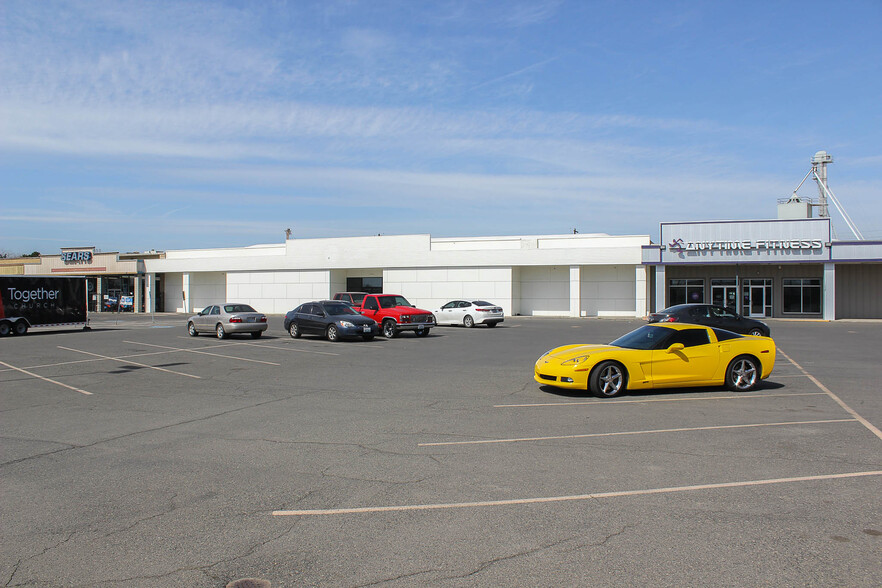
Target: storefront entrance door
x,y
757,300
725,295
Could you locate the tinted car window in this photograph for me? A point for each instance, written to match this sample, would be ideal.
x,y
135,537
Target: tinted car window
x,y
481,303
465,304
724,335
371,304
392,301
721,312
338,309
689,338
450,305
698,312
238,308
647,337
215,310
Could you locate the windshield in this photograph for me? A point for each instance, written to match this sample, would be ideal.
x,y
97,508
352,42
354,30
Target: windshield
x,y
339,309
390,301
228,308
646,337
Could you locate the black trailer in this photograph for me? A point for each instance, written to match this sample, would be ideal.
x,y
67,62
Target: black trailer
x,y
42,301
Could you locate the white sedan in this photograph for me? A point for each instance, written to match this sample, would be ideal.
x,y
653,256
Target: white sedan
x,y
469,313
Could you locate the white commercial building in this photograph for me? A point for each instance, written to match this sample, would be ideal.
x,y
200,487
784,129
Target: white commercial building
x,y
546,275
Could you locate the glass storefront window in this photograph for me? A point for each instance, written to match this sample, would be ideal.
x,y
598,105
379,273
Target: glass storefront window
x,y
681,291
802,295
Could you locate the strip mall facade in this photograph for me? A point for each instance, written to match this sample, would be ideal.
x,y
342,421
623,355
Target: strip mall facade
x,y
765,268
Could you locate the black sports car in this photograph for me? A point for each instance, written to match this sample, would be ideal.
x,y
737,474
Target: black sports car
x,y
333,319
712,316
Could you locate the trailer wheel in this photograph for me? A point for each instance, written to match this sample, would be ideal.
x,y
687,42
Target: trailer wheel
x,y
20,328
5,328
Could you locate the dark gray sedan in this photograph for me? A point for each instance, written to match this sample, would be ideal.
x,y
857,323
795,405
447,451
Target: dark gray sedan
x,y
711,315
330,318
226,319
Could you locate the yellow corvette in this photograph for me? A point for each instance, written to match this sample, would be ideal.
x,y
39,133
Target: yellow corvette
x,y
669,355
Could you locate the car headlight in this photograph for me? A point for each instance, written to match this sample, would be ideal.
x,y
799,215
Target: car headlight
x,y
576,360
347,325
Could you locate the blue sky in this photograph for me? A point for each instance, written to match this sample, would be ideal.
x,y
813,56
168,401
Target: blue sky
x,y
166,125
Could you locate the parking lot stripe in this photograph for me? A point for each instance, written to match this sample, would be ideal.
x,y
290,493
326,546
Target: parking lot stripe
x,y
131,362
647,432
692,399
873,429
39,377
289,348
599,495
202,352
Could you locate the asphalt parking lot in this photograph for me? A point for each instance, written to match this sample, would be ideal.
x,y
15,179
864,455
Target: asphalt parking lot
x,y
134,455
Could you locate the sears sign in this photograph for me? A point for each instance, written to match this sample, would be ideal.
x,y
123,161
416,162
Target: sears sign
x,y
76,256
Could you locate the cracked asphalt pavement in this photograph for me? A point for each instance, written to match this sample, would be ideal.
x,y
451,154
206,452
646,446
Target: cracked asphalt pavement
x,y
177,476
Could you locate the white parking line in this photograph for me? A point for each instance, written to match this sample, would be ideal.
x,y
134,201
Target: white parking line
x,y
203,352
521,501
39,377
289,348
130,362
647,432
873,429
691,399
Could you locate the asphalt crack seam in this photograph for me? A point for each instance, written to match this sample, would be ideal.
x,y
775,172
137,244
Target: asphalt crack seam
x,y
36,555
145,431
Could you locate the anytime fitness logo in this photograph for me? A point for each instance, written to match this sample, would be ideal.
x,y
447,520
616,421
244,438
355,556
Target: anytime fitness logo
x,y
679,246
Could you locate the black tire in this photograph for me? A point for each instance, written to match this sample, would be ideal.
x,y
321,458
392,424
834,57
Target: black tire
x,y
294,330
220,332
756,332
389,329
256,334
423,333
333,334
491,325
20,328
743,374
367,337
191,329
608,379
468,322
5,328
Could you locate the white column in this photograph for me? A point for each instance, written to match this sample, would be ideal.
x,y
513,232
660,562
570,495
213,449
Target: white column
x,y
660,287
575,290
136,299
149,294
185,291
100,305
829,291
640,291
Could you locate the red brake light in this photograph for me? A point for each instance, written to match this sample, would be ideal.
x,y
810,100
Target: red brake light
x,y
262,319
669,319
235,319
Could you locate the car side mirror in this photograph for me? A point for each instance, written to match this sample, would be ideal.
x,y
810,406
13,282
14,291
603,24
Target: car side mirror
x,y
676,347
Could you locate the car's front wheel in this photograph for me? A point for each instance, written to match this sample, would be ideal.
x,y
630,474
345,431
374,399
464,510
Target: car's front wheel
x,y
333,334
191,329
607,380
389,329
743,374
220,332
756,332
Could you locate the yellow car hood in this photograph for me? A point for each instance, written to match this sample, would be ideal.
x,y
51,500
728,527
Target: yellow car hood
x,y
562,354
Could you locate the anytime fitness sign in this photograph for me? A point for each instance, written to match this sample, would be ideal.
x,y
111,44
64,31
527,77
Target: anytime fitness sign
x,y
678,245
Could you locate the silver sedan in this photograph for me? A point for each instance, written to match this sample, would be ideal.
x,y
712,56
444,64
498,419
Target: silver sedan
x,y
226,319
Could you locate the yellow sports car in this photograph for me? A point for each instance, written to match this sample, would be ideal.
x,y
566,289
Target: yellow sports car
x,y
667,355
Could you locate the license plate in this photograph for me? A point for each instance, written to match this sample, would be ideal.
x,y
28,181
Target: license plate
x,y
420,328
250,319
366,328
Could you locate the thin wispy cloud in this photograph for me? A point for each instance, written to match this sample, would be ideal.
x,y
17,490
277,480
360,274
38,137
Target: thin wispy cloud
x,y
123,118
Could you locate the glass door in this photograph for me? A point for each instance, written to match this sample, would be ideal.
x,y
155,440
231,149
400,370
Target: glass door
x,y
757,297
724,292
